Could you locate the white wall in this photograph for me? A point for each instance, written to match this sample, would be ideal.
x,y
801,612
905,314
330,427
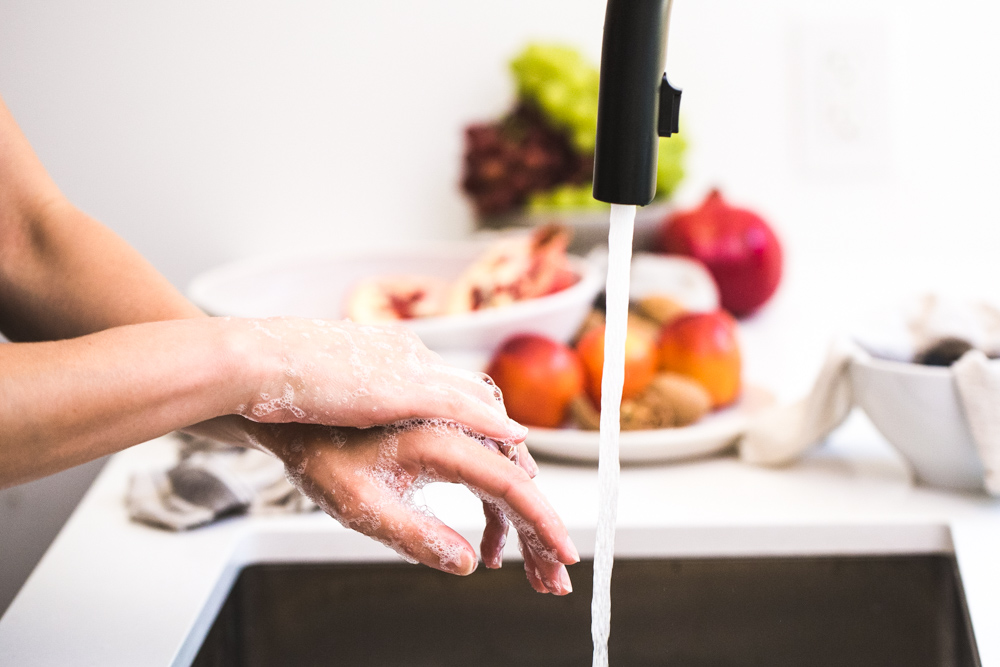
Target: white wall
x,y
205,131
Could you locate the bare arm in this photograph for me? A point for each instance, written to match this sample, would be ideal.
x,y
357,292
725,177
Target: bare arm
x,y
68,401
64,275
100,385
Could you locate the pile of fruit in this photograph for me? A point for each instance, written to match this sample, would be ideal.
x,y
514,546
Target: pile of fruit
x,y
512,269
679,365
682,355
540,155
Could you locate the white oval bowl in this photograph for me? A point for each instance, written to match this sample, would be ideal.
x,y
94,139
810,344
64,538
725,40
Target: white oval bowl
x,y
917,409
317,286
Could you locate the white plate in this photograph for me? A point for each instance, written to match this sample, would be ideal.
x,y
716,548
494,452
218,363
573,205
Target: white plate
x,y
711,434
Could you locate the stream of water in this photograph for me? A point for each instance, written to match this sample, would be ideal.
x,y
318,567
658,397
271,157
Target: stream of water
x,y
608,469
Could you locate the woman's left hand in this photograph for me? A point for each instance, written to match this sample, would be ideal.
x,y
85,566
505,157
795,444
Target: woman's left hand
x,y
366,478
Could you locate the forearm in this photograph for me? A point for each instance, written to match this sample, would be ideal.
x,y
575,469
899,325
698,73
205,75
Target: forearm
x,y
66,402
63,274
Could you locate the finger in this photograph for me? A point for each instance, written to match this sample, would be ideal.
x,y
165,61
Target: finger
x,y
531,571
526,460
482,387
444,401
376,510
479,385
424,538
494,536
496,447
462,459
553,575
518,453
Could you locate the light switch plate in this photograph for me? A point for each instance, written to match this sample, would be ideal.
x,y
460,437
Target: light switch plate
x,y
839,91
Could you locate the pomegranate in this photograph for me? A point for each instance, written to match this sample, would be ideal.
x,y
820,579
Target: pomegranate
x,y
514,269
739,249
389,298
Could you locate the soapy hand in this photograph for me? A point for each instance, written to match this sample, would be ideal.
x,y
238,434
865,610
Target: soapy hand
x,y
344,374
366,479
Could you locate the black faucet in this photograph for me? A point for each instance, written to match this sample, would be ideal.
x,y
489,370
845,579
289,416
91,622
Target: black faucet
x,y
636,104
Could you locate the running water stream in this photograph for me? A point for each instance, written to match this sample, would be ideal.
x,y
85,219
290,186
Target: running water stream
x,y
608,469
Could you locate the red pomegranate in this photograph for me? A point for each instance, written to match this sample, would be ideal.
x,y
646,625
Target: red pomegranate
x,y
739,249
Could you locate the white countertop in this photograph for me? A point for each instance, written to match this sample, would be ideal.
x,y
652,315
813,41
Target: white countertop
x,y
111,592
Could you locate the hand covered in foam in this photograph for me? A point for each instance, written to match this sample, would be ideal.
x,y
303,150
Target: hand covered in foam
x,y
344,374
366,479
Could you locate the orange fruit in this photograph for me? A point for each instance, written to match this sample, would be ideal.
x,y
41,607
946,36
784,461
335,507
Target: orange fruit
x,y
640,362
704,347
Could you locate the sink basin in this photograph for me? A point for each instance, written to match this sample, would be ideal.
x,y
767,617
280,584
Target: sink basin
x,y
886,610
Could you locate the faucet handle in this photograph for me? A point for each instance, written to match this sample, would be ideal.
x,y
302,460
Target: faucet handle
x,y
670,106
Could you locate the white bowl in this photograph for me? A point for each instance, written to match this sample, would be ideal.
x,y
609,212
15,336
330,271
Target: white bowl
x,y
317,286
590,226
917,409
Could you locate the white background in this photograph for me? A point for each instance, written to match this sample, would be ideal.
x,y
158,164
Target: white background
x,y
867,132
205,131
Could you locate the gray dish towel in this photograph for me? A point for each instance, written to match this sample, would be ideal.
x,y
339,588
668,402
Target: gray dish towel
x,y
209,482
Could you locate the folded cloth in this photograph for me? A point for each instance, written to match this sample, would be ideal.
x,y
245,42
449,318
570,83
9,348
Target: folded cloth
x,y
783,433
786,432
211,481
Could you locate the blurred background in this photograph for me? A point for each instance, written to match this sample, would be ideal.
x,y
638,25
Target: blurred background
x,y
202,132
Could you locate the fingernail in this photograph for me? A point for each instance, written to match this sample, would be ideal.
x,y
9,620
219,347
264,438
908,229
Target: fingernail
x,y
534,579
528,463
572,550
466,565
517,430
472,562
567,585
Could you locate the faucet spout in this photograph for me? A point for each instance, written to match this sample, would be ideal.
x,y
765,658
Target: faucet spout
x,y
636,105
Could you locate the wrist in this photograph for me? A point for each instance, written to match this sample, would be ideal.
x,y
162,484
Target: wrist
x,y
246,362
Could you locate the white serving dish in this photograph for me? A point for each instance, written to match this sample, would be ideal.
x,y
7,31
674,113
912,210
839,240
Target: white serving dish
x,y
590,226
917,409
711,434
317,286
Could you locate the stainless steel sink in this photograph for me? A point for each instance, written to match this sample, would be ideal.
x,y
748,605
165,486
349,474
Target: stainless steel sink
x,y
850,611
